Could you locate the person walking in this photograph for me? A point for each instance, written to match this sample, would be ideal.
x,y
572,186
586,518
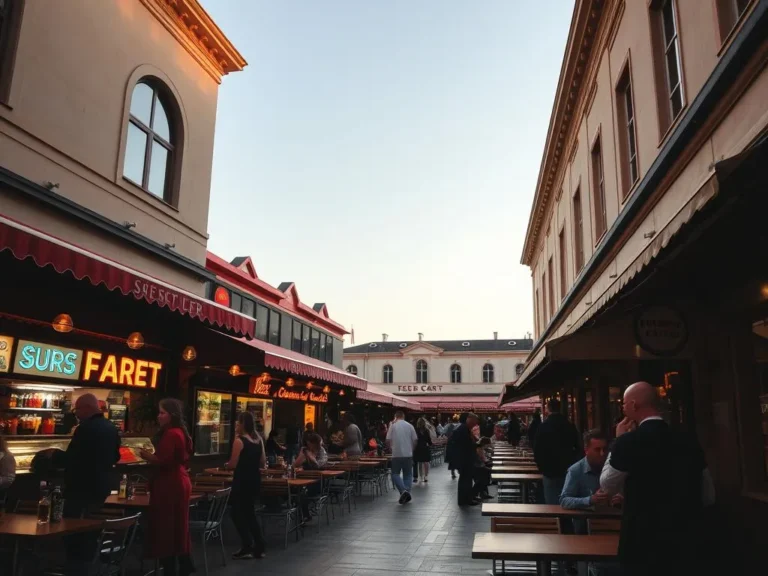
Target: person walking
x,y
247,459
463,458
556,449
353,438
402,438
422,455
168,537
666,484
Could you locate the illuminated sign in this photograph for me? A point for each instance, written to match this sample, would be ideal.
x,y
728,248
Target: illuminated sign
x,y
120,370
300,395
6,345
39,359
221,296
260,384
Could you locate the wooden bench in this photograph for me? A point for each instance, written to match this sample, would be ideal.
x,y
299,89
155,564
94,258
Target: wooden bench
x,y
523,525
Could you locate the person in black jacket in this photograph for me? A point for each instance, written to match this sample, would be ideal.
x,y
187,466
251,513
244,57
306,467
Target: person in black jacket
x,y
513,429
463,458
556,449
88,462
533,427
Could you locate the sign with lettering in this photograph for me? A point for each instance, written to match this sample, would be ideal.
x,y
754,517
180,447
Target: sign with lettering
x,y
441,389
37,359
120,370
661,330
6,345
155,293
300,395
260,385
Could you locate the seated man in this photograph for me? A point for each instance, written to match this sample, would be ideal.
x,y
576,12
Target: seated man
x,y
582,489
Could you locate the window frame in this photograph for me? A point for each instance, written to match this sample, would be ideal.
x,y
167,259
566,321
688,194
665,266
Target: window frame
x,y
660,48
296,342
160,95
563,262
422,372
387,374
352,369
597,164
10,31
455,373
729,17
489,373
551,287
578,231
544,299
626,119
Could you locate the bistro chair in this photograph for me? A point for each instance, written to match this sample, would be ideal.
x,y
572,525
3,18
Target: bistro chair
x,y
319,502
278,502
211,526
115,543
369,477
523,525
343,489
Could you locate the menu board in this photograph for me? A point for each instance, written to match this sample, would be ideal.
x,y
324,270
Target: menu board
x,y
118,415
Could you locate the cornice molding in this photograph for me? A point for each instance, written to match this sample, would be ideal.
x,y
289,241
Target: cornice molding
x,y
194,29
577,68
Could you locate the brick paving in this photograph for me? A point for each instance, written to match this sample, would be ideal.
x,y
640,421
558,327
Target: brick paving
x,y
429,536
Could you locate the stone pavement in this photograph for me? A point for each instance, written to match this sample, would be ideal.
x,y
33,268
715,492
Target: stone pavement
x,y
429,536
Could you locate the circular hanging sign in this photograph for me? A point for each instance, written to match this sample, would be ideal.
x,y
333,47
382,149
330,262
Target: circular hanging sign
x,y
661,330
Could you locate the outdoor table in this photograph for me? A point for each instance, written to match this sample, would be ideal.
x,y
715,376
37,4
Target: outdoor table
x,y
138,501
18,526
547,511
515,468
218,472
545,548
523,479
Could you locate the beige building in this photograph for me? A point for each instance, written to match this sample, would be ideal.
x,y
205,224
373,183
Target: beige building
x,y
107,119
645,238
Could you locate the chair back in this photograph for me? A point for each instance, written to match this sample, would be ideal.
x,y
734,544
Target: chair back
x,y
325,484
217,506
274,491
115,543
603,526
525,525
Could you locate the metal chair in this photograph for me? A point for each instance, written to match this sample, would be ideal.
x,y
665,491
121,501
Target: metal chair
x,y
211,526
343,489
320,502
278,502
115,544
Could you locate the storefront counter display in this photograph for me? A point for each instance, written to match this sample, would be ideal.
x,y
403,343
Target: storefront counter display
x,y
213,424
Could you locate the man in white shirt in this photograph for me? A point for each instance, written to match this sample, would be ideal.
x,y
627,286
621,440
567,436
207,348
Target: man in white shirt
x,y
401,438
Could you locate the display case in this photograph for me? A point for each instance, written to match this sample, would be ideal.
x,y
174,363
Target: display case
x,y
213,425
25,448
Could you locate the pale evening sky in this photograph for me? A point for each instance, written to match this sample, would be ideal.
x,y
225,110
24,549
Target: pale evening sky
x,y
383,155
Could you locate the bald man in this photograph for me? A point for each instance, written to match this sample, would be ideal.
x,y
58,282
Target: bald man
x,y
666,484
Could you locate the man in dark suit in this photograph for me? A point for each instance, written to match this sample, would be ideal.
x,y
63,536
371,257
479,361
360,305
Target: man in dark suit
x,y
463,458
556,450
666,485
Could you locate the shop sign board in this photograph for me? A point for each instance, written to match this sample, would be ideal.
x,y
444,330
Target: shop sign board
x,y
300,395
6,345
120,370
441,389
661,330
37,359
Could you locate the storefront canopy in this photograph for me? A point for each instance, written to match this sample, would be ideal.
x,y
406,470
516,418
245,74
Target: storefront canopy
x,y
457,403
46,250
374,394
294,363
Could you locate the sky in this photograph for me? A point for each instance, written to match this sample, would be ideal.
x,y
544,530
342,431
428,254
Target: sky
x,y
383,155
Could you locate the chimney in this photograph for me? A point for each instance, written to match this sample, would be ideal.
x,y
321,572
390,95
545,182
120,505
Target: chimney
x,y
421,336
384,337
495,335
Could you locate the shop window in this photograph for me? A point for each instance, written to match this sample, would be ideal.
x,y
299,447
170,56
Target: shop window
x,y
248,307
10,26
315,349
322,347
455,374
729,12
237,302
668,69
212,422
296,340
329,349
305,337
262,322
488,374
274,327
150,148
590,409
260,409
422,372
388,374
352,369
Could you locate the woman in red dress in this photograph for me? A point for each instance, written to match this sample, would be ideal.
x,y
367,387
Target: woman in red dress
x,y
168,526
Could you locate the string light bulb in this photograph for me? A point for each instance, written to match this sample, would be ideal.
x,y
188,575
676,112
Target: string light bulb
x,y
234,370
63,323
189,354
135,341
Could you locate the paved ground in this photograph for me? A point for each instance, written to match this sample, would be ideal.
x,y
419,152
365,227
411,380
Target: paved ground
x,y
429,536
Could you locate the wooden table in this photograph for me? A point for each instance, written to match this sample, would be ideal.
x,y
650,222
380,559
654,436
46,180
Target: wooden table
x,y
523,479
138,501
292,482
547,511
18,526
515,469
218,472
545,548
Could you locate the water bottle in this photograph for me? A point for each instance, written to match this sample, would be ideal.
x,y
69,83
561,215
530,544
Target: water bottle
x,y
122,493
57,505
44,505
289,471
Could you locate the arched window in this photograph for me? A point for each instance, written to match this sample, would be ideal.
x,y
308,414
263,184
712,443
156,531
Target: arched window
x,y
150,149
488,373
352,369
422,372
455,374
387,374
519,369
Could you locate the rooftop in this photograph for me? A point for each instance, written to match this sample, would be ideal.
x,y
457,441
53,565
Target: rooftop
x,y
493,345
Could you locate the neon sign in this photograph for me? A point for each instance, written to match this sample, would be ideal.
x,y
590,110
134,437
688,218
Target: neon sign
x,y
121,370
300,395
43,359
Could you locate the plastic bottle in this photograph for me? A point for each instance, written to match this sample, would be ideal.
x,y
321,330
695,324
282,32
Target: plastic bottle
x,y
123,492
57,505
44,505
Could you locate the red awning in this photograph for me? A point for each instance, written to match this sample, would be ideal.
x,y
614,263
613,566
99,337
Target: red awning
x,y
374,394
295,363
46,250
457,403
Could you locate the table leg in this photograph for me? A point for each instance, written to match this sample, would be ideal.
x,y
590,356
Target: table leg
x,y
15,561
544,567
524,492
